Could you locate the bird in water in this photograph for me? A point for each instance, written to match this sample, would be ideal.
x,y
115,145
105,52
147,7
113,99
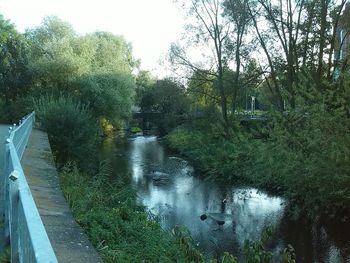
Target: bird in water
x,y
203,217
219,222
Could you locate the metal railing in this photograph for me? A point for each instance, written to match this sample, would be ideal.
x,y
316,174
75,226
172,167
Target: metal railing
x,y
23,226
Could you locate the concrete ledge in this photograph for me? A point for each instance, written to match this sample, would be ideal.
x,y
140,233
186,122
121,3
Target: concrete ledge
x,y
67,238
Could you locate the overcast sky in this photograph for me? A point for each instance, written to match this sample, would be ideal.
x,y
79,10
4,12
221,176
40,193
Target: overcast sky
x,y
150,25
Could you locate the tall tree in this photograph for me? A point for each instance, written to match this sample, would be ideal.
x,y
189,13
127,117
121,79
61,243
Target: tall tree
x,y
292,34
212,30
111,53
95,69
14,73
168,98
237,12
109,96
52,58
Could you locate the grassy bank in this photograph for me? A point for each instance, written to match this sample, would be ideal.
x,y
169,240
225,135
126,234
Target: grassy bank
x,y
119,229
217,158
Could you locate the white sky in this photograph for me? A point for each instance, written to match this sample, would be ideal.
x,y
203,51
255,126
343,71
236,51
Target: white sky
x,y
150,25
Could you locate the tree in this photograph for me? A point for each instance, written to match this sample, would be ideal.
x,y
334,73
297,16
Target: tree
x,y
144,81
220,28
211,30
168,98
110,53
298,31
201,90
52,58
109,96
237,13
96,69
15,76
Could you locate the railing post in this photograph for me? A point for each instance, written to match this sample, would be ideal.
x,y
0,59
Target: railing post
x,y
13,186
6,192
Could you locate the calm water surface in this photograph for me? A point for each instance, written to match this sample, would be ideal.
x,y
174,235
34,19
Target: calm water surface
x,y
168,186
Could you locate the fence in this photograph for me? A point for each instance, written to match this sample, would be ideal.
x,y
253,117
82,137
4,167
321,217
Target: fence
x,y
23,226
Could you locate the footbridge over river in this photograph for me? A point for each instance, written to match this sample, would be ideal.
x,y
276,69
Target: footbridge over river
x,y
38,225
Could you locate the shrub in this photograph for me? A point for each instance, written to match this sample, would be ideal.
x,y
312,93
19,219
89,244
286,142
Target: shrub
x,y
135,130
307,157
72,130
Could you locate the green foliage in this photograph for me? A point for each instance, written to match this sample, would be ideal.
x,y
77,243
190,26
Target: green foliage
x,y
121,231
201,90
20,107
135,129
51,29
218,158
168,98
255,251
14,74
183,238
3,112
5,255
96,69
72,130
307,156
52,58
307,153
228,258
144,81
108,95
112,53
107,127
288,255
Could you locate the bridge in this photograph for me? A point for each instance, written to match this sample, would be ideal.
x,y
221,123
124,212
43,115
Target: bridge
x,y
37,222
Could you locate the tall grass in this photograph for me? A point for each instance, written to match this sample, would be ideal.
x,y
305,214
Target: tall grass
x,y
119,229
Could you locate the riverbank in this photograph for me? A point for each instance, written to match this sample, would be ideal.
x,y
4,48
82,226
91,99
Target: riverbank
x,y
120,230
167,186
181,200
268,165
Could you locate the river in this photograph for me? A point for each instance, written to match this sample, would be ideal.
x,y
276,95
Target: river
x,y
169,187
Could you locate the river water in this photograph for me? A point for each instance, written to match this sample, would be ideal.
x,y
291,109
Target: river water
x,y
168,186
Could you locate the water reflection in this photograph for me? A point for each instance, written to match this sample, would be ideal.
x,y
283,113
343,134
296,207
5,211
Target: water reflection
x,y
166,185
183,198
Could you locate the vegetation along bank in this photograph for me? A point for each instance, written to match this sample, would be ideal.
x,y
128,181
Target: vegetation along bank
x,y
280,122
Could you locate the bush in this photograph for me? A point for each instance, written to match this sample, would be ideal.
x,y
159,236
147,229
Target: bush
x,y
72,130
307,157
13,112
135,130
4,114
